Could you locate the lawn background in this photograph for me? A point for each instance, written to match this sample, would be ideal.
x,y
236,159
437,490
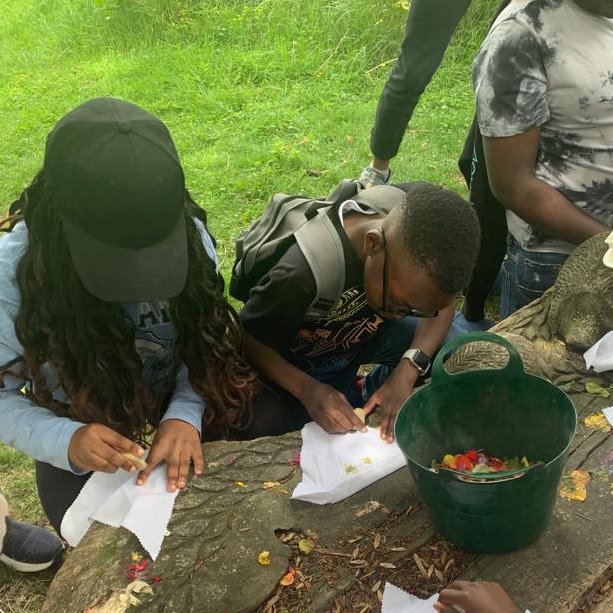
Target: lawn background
x,y
260,96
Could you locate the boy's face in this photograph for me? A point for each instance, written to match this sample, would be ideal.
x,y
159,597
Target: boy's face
x,y
395,286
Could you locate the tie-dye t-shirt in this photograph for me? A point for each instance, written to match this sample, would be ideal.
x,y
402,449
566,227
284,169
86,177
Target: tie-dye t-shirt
x,y
549,64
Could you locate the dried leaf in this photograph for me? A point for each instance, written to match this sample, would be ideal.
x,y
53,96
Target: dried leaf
x,y
597,421
578,489
370,506
375,587
387,565
376,541
359,412
270,484
379,596
420,566
264,558
305,546
239,483
288,536
439,575
591,387
356,552
444,557
398,548
271,603
289,577
430,570
449,564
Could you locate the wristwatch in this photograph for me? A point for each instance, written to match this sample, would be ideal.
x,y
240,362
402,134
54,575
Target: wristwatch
x,y
418,358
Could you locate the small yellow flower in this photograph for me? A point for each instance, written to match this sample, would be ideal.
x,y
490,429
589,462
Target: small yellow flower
x,y
264,558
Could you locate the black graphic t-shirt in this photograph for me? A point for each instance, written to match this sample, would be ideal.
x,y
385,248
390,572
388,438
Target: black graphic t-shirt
x,y
275,313
549,64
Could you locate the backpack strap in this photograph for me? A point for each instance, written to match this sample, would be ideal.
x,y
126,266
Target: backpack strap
x,y
322,248
380,198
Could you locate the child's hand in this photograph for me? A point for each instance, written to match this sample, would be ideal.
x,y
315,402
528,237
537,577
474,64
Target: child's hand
x,y
178,443
98,447
331,410
474,597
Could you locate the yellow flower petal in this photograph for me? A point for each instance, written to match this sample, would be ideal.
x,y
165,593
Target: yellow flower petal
x,y
264,558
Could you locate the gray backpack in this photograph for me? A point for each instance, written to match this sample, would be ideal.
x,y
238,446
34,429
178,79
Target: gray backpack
x,y
288,219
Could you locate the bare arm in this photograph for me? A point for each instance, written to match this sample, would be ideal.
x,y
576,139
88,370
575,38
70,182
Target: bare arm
x,y
399,386
510,167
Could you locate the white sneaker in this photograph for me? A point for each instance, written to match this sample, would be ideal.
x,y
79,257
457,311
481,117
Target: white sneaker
x,y
372,176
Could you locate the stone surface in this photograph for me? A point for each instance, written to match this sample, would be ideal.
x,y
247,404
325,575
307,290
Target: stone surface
x,y
217,530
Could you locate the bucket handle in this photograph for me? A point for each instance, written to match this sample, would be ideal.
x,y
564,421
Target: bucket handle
x,y
514,366
448,473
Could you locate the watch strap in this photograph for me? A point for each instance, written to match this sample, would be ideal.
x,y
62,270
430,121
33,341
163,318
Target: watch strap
x,y
418,358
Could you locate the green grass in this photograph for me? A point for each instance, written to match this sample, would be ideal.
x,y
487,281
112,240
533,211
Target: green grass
x,y
255,94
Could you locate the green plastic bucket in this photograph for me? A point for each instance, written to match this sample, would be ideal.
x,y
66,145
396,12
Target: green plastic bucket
x,y
506,412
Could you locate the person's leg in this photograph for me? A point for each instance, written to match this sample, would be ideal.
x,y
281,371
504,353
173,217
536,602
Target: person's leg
x,y
274,412
25,547
430,26
526,276
57,490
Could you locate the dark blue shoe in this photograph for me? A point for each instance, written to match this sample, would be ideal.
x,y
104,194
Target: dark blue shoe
x,y
28,548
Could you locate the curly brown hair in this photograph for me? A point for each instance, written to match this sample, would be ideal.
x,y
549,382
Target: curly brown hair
x,y
91,345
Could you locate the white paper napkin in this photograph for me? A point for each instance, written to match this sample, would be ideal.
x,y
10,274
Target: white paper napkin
x,y
116,500
608,413
396,600
600,355
334,466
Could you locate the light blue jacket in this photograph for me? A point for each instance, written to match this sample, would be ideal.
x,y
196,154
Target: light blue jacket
x,y
38,432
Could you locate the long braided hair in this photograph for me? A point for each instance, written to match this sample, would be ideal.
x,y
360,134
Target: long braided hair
x,y
91,345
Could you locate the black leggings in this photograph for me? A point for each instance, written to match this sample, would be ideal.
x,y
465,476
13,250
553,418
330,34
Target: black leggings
x,y
274,412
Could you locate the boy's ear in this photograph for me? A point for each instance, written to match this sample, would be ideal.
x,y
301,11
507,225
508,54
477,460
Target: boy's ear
x,y
373,241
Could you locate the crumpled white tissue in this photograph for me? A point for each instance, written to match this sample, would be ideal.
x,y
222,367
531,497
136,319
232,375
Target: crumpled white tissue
x,y
600,355
608,413
396,600
116,500
334,466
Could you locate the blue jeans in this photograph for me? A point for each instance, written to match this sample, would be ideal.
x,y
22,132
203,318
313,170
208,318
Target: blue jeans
x,y
526,275
430,25
384,350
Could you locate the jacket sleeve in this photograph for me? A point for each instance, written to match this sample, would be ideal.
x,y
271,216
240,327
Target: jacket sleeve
x,y
33,430
185,404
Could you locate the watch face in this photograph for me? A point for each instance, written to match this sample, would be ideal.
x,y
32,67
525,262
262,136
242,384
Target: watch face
x,y
419,358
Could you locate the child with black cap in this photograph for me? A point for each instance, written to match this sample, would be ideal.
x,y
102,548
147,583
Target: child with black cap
x,y
112,312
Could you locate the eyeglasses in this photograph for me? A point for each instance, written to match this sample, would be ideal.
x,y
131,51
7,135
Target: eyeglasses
x,y
390,311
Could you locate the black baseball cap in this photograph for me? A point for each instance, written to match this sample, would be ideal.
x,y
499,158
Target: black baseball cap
x,y
115,179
